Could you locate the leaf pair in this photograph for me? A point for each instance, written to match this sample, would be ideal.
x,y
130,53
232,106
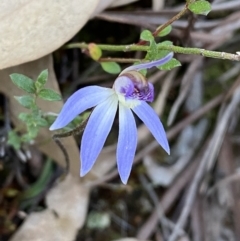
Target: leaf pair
x,y
36,88
33,120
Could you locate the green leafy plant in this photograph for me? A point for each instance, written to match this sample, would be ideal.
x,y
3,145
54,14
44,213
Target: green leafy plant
x,y
35,118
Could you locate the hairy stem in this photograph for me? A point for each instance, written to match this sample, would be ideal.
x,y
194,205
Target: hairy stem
x,y
120,60
173,48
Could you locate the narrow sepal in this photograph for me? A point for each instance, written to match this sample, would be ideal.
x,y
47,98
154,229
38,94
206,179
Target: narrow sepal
x,y
153,123
96,132
127,142
80,101
149,65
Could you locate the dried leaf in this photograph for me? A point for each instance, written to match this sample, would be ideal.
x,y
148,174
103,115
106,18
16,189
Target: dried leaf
x,y
67,206
69,200
94,51
71,206
36,32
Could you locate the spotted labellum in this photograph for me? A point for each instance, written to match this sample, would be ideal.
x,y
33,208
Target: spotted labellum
x,y
129,93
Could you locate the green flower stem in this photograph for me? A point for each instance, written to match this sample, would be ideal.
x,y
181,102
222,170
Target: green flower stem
x,y
173,48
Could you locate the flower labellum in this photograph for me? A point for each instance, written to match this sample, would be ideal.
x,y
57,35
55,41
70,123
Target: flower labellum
x,y
129,94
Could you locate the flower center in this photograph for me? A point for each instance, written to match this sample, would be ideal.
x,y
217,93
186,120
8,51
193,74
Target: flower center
x,y
132,87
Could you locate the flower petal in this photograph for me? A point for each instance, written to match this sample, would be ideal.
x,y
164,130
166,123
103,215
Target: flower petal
x,y
80,101
149,65
96,132
127,142
152,121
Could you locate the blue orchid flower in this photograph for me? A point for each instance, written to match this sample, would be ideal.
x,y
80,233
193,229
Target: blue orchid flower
x,y
129,94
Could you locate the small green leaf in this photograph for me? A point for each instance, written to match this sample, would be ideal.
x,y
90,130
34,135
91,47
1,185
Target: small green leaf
x,y
50,119
26,138
26,100
94,51
111,67
146,35
25,117
48,94
77,121
41,80
165,31
23,82
152,52
14,140
173,63
36,111
163,53
32,131
41,122
200,7
164,43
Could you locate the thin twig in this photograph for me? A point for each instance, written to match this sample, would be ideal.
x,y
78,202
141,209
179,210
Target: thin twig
x,y
165,222
65,153
78,130
173,19
210,154
186,84
169,197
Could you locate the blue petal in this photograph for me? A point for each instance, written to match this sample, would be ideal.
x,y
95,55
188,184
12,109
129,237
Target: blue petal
x,y
96,132
127,142
80,101
152,121
149,65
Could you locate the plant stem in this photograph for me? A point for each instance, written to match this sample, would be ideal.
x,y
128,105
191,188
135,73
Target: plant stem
x,y
120,60
173,19
176,17
173,48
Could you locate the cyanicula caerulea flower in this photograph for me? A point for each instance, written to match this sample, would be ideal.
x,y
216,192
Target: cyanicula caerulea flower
x,y
129,93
